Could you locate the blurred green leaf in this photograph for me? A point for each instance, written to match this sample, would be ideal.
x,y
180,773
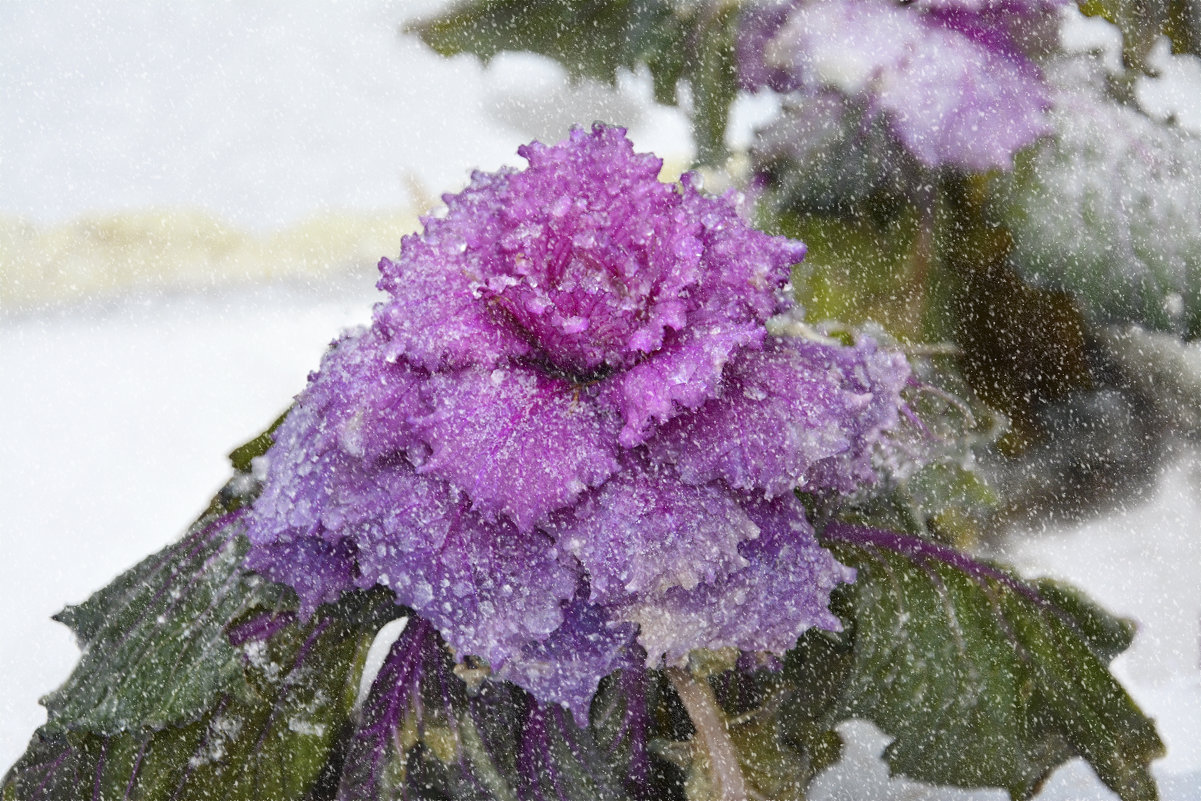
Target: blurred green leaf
x,y
690,42
1183,26
778,757
1107,210
862,269
1143,21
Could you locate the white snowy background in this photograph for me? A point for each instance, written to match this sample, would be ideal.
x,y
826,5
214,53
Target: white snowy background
x,y
275,140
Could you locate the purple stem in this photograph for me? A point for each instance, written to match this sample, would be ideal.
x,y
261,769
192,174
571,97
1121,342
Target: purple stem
x,y
921,550
96,789
394,688
260,627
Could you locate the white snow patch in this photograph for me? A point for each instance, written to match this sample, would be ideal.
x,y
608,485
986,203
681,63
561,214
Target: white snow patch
x,y
388,634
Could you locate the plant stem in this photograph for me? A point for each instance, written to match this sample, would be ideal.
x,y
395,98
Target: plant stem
x,y
712,737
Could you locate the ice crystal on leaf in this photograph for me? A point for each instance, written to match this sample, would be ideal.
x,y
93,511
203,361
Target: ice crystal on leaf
x,y
1108,209
567,437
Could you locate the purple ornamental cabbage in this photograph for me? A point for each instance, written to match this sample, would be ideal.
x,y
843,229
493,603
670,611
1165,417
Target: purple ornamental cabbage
x,y
567,437
954,80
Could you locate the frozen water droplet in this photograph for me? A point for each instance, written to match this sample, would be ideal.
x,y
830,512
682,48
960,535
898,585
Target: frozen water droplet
x,y
423,593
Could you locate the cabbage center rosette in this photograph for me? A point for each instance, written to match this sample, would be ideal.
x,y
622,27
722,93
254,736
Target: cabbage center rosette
x,y
567,435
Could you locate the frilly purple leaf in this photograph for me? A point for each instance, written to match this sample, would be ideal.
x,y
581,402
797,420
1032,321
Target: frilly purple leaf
x,y
783,591
519,443
796,414
646,531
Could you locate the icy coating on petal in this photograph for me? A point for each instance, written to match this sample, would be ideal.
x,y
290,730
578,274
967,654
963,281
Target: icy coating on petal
x,y
797,414
540,445
645,531
319,571
874,378
435,317
745,272
568,665
518,442
783,591
486,587
595,254
353,412
684,374
584,261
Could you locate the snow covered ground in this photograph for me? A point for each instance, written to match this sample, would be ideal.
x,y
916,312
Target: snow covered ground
x,y
116,411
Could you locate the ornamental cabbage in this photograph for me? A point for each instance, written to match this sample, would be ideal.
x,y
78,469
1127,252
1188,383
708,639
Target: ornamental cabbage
x,y
567,439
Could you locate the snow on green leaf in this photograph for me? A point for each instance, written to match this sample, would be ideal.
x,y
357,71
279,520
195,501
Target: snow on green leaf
x,y
270,735
155,643
155,650
983,681
1108,209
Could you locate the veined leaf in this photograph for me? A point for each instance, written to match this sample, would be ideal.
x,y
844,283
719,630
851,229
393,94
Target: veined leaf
x,y
154,641
276,738
198,680
983,681
155,650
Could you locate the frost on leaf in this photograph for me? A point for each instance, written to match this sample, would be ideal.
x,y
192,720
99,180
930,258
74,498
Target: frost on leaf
x,y
1108,209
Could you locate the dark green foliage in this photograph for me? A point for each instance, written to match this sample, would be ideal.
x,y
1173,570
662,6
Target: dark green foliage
x,y
267,735
678,42
155,651
982,680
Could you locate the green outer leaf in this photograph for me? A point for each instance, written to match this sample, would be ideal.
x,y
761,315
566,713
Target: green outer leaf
x,y
1105,634
241,456
155,650
981,680
276,742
